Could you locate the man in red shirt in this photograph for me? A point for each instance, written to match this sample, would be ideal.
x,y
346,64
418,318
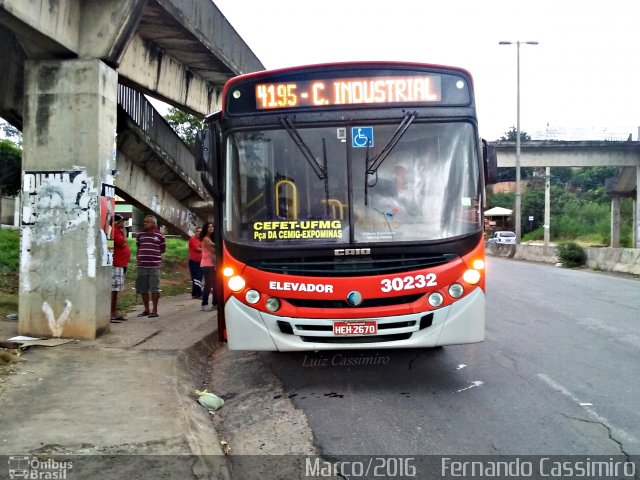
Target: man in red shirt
x,y
121,257
195,255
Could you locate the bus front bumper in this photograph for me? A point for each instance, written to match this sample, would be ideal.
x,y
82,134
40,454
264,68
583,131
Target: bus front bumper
x,y
459,323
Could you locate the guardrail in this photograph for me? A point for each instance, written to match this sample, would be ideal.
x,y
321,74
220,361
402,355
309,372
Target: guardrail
x,y
606,259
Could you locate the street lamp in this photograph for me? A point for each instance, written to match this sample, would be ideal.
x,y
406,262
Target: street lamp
x,y
518,194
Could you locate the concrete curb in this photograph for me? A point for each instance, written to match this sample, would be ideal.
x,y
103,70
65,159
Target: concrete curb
x,y
201,437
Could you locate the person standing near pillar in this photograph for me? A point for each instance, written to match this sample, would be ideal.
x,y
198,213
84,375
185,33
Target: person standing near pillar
x,y
121,257
208,265
151,245
195,255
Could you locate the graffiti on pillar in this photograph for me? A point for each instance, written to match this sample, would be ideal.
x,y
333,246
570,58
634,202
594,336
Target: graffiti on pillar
x,y
56,325
55,204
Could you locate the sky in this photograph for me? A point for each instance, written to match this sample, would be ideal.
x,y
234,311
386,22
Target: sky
x,y
583,76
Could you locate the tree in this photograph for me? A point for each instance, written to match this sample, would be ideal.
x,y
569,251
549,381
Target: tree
x,y
593,177
511,135
10,169
508,174
10,132
185,125
533,206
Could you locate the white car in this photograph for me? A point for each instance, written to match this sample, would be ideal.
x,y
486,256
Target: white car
x,y
503,238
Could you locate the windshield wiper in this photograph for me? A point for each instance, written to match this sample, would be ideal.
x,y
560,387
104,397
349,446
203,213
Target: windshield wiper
x,y
326,176
304,148
395,138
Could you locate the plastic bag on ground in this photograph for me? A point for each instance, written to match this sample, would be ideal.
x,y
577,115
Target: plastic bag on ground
x,y
208,400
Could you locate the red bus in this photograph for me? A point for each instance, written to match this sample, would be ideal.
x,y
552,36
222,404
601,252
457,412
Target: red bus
x,y
348,207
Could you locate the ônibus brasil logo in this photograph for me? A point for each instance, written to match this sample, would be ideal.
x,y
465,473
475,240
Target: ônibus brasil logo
x,y
36,468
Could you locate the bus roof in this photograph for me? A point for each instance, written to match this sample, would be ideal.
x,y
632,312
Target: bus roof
x,y
341,65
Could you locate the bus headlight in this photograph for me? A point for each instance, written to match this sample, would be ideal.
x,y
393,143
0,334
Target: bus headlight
x,y
478,264
236,283
435,299
272,304
252,297
472,277
456,290
227,272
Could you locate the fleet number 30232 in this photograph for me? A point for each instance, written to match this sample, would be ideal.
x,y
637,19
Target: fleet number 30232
x,y
408,283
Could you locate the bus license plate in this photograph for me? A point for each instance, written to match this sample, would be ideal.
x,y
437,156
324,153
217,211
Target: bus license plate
x,y
355,328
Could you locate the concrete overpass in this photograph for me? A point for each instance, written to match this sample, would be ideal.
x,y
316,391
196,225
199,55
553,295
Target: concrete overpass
x,y
73,75
623,155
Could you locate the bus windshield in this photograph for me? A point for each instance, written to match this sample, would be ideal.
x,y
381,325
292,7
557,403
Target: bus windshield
x,y
291,185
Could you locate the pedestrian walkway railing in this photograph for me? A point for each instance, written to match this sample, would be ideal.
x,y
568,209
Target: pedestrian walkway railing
x,y
156,129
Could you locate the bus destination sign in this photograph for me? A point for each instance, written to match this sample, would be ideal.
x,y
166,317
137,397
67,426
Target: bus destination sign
x,y
348,91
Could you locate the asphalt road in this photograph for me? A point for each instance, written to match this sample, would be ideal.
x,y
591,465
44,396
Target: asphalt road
x,y
557,374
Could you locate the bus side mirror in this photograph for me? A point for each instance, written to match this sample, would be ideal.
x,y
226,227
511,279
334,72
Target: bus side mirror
x,y
206,154
204,150
490,158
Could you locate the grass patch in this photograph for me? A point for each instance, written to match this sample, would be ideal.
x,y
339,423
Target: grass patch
x,y
9,266
9,249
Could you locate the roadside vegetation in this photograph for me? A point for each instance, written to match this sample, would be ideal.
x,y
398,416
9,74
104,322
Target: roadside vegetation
x,y
571,254
174,278
580,209
9,266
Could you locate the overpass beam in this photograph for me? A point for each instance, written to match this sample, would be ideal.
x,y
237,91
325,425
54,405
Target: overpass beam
x,y
107,26
70,115
147,67
89,28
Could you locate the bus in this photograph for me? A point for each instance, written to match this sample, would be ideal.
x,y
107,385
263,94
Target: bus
x,y
348,207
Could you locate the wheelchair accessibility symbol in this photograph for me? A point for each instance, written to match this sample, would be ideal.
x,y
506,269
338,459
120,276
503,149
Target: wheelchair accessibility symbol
x,y
361,137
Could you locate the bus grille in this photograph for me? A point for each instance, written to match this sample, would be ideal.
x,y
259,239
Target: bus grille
x,y
363,339
367,302
351,266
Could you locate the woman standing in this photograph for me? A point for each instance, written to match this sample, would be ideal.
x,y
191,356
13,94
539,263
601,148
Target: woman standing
x,y
121,257
195,256
208,265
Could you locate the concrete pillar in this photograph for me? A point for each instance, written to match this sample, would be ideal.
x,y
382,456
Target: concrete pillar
x,y
16,211
68,159
636,211
635,231
547,207
615,222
